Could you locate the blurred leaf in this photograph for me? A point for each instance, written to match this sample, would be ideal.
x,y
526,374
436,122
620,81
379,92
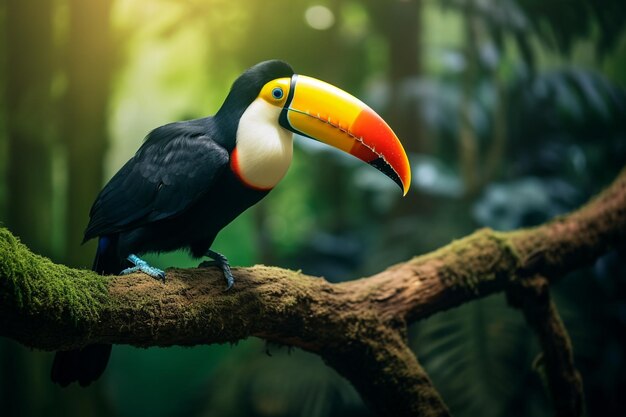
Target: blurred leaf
x,y
283,382
464,351
573,19
524,202
434,177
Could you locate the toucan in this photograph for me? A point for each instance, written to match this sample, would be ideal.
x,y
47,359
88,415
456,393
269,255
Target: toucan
x,y
189,179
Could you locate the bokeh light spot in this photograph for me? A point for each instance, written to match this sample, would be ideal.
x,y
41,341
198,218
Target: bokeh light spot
x,y
319,17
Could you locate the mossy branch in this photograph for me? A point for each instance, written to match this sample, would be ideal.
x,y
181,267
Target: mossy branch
x,y
358,327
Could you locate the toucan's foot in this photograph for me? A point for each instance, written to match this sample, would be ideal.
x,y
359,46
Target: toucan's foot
x,y
221,262
142,266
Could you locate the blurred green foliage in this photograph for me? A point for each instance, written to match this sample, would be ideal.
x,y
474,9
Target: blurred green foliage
x,y
513,111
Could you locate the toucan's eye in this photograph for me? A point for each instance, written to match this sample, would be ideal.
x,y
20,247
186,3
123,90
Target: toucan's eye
x,y
277,93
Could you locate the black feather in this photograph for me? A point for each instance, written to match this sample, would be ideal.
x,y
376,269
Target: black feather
x,y
173,168
80,365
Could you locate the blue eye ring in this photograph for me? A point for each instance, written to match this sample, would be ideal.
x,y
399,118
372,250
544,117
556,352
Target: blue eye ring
x,y
277,93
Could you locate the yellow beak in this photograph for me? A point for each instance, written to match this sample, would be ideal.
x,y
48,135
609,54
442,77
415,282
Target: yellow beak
x,y
326,113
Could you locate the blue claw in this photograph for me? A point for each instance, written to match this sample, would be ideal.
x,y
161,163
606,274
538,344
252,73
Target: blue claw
x,y
142,266
221,262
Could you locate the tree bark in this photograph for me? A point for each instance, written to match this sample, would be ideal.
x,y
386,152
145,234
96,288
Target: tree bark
x,y
358,327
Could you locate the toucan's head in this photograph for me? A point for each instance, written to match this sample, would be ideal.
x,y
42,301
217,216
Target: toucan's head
x,y
320,111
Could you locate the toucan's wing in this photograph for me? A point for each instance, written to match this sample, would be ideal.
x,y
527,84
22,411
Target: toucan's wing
x,y
176,164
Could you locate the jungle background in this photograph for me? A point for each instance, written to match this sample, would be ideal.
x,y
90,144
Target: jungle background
x,y
512,112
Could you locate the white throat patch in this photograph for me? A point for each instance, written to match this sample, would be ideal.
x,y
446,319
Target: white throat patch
x,y
264,149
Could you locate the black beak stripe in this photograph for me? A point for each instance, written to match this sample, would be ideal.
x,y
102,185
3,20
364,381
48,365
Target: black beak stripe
x,y
283,119
382,165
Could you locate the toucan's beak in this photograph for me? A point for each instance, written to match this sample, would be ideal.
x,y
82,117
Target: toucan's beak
x,y
324,112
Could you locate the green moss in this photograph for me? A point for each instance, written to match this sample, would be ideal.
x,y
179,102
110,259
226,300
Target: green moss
x,y
468,264
505,241
35,285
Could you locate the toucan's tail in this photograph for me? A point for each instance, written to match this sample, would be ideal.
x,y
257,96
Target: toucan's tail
x,y
107,260
87,364
81,365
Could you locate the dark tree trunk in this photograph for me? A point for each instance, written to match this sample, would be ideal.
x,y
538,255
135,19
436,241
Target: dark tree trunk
x,y
28,31
28,81
399,22
89,68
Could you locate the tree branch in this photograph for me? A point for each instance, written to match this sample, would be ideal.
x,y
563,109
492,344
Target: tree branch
x,y
532,296
358,327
